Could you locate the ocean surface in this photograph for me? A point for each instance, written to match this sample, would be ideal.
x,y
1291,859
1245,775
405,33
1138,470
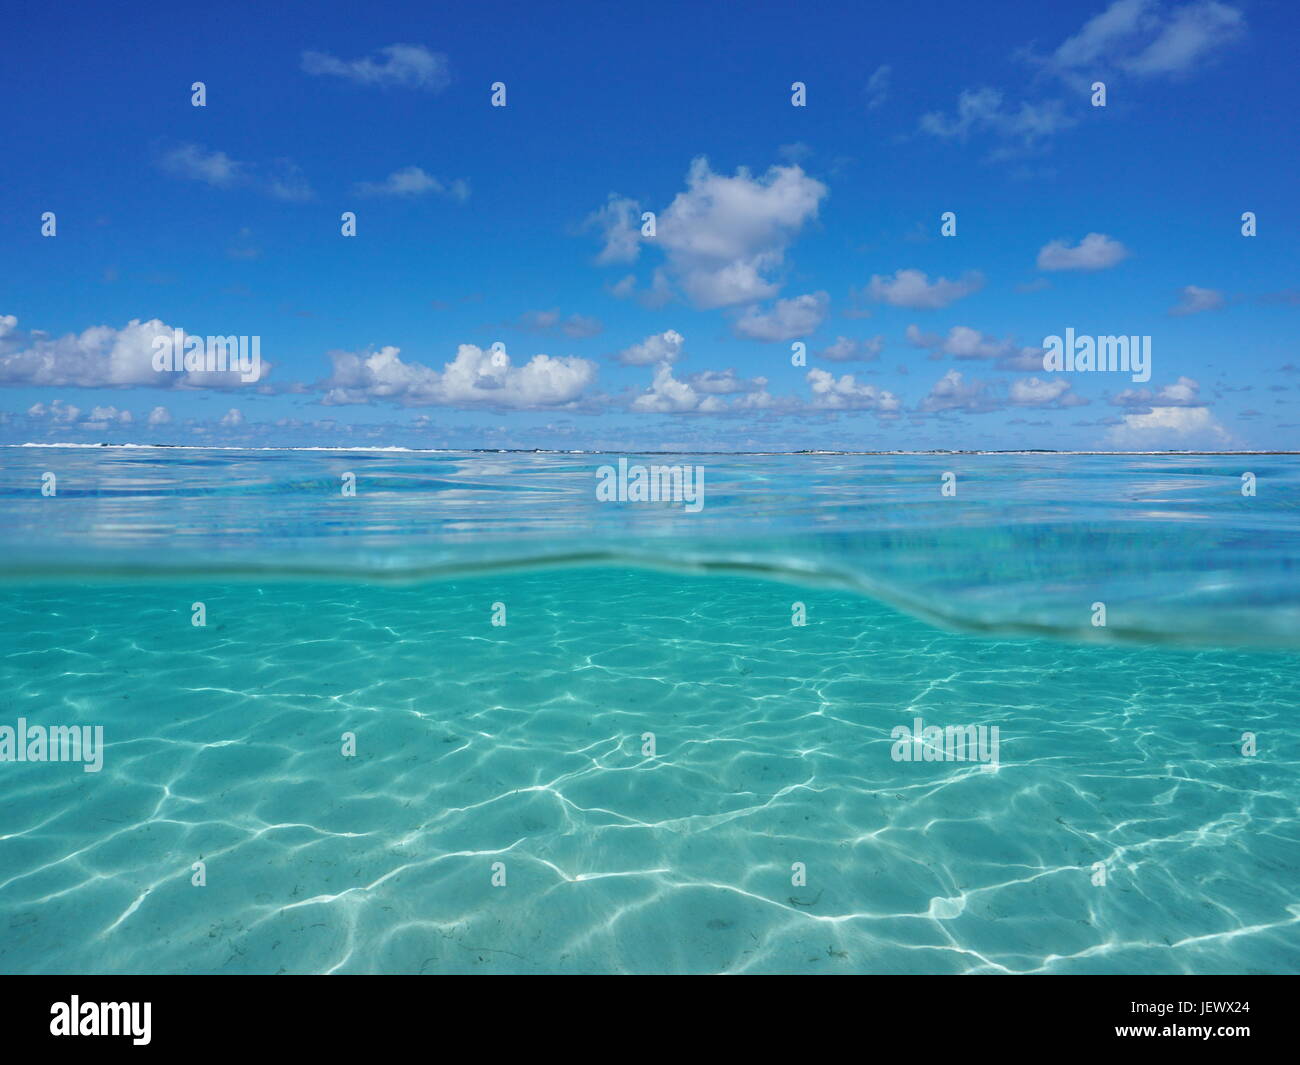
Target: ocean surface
x,y
472,718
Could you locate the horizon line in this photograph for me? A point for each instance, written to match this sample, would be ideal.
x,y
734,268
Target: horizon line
x,y
635,451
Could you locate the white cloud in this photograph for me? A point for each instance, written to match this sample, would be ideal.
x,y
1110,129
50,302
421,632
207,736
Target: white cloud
x,y
1185,392
1095,252
844,393
1186,38
1169,427
725,392
62,416
1102,35
659,348
963,342
1194,300
160,416
619,221
475,378
282,180
981,110
913,289
232,418
402,65
702,393
198,164
101,357
110,414
1034,392
668,395
725,382
786,320
58,412
725,237
1143,38
877,87
412,181
846,349
952,392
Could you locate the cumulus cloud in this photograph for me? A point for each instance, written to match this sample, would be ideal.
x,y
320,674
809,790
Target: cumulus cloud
x,y
786,320
160,416
1185,392
1193,300
1095,252
1035,392
659,348
963,342
101,357
475,378
725,237
701,393
60,417
410,66
913,289
1169,427
846,349
233,418
727,393
619,221
110,413
412,181
56,411
953,393
668,395
725,382
845,393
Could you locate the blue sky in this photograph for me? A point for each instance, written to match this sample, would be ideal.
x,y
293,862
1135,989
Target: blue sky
x,y
775,224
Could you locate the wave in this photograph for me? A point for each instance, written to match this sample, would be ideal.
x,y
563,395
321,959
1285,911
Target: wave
x,y
1030,544
1225,627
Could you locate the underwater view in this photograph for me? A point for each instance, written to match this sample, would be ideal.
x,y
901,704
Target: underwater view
x,y
329,711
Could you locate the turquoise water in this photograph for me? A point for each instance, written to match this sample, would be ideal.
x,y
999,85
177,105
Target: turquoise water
x,y
524,743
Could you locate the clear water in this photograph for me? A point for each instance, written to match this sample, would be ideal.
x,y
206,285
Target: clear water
x,y
522,744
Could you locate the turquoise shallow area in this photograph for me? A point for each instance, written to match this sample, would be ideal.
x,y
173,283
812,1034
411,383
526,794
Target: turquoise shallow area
x,y
522,744
1022,544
